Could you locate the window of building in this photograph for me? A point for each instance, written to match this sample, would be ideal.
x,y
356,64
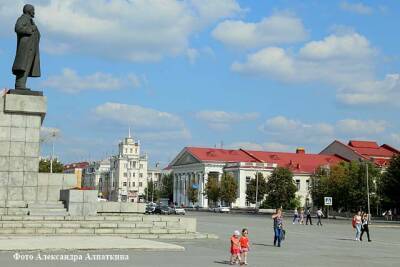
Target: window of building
x,y
124,183
136,150
298,185
141,175
248,178
141,166
125,174
133,184
308,184
140,184
131,150
129,184
150,175
129,174
133,174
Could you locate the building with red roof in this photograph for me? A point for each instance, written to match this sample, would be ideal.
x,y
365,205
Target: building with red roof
x,y
362,150
77,169
193,165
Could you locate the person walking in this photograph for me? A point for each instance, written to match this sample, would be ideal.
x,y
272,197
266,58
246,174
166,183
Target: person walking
x,y
365,228
278,226
357,223
295,216
244,246
308,214
301,216
319,216
235,248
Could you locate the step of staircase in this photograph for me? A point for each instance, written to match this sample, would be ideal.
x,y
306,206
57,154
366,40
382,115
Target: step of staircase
x,y
55,208
47,212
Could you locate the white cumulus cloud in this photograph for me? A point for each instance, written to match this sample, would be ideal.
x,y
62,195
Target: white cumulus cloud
x,y
135,30
358,8
222,120
273,30
138,117
70,81
360,127
337,59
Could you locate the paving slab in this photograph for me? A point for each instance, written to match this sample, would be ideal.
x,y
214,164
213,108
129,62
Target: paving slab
x,y
31,243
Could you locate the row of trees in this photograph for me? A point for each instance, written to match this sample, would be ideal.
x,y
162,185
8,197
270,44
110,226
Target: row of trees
x,y
346,183
278,191
164,190
221,191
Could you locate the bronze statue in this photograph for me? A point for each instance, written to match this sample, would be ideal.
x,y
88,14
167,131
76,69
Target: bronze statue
x,y
27,60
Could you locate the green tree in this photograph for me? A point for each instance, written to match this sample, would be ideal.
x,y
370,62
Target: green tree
x,y
346,183
252,188
280,189
192,192
151,192
44,166
167,187
228,188
212,190
389,185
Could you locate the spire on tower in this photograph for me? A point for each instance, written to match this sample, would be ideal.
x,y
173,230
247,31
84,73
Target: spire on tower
x,y
129,134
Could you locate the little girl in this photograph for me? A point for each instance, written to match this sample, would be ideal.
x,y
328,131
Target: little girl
x,y
235,248
244,246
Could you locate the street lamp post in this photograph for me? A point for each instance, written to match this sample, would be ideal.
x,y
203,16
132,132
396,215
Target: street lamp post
x,y
369,207
256,188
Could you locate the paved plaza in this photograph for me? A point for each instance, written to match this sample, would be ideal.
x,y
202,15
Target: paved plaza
x,y
330,245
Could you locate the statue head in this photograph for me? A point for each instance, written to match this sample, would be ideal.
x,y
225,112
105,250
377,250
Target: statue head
x,y
29,10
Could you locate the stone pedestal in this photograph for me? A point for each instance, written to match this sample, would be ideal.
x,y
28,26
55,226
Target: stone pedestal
x,y
21,117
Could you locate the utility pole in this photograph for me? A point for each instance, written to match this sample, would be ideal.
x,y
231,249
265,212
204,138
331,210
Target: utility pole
x,y
369,207
53,136
256,189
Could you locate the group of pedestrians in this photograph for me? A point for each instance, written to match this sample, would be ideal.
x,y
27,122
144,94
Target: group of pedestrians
x,y
360,223
240,244
298,216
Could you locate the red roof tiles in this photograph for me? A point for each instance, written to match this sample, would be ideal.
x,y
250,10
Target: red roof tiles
x,y
297,162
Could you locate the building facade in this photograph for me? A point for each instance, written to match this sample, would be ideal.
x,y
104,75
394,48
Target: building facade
x,y
128,172
193,166
96,175
362,150
77,169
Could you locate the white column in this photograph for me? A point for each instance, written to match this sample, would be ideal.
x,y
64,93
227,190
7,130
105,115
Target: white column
x,y
205,180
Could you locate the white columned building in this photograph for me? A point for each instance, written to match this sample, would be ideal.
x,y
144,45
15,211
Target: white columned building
x,y
243,165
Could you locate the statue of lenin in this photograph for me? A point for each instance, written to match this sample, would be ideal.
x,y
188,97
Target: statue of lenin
x,y
27,61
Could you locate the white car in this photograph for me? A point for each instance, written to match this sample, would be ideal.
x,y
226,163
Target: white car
x,y
222,209
179,211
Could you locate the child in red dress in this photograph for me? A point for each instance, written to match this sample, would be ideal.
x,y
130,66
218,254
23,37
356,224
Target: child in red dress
x,y
235,248
244,246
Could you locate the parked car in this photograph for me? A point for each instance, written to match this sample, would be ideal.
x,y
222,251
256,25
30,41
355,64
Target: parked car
x,y
222,209
150,209
179,211
163,210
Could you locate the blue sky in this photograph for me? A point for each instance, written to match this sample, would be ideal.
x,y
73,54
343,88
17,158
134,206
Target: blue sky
x,y
270,75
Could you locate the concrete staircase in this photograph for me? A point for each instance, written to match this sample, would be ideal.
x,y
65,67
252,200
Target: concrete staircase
x,y
131,226
55,208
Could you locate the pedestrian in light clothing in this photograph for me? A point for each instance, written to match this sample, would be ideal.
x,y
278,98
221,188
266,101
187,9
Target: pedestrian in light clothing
x,y
357,223
301,216
365,228
295,216
319,216
278,226
235,248
308,215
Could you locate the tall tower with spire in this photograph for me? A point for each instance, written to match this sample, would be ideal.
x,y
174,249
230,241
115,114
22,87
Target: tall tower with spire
x,y
128,171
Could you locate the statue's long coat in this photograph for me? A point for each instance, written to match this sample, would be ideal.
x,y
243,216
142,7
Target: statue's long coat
x,y
27,47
